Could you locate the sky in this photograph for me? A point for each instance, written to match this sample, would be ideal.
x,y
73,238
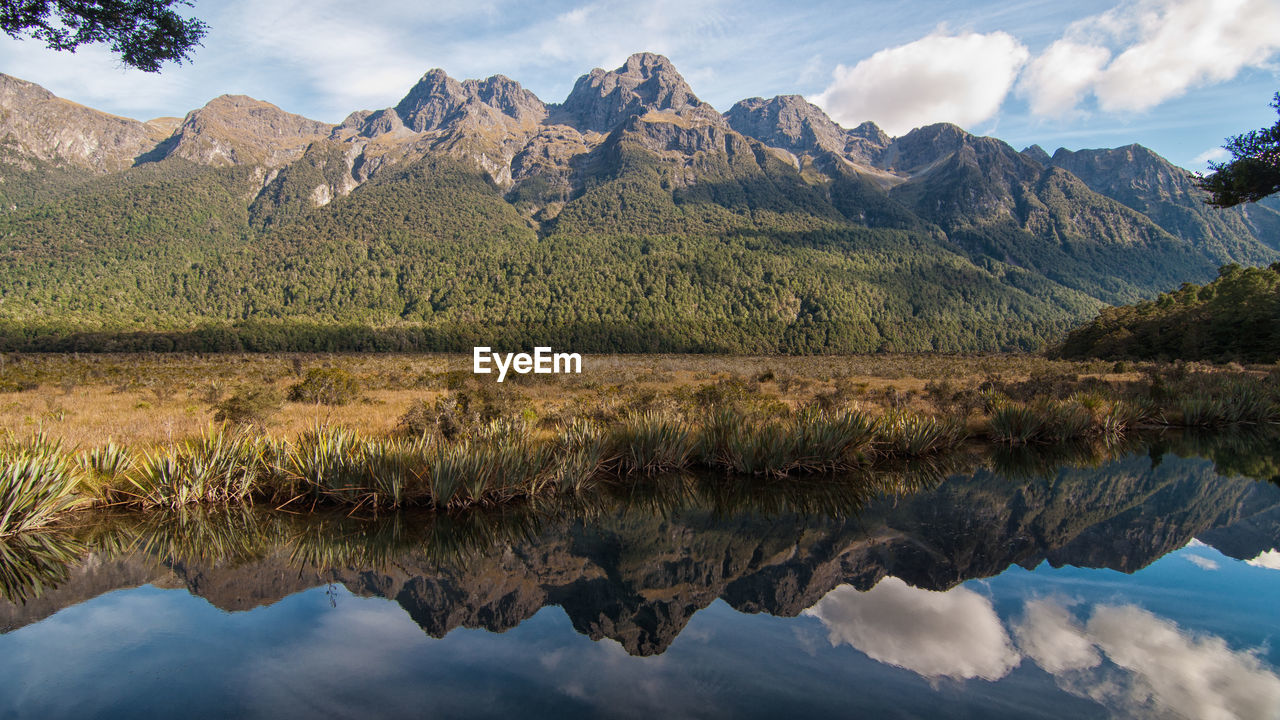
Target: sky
x,y
1179,76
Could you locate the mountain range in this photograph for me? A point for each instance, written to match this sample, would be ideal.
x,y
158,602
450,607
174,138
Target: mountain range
x,y
630,217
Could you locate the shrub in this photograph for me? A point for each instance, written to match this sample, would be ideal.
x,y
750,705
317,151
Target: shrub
x,y
248,406
326,386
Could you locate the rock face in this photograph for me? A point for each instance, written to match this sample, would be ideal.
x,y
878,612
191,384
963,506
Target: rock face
x,y
438,100
238,130
33,121
792,123
601,99
1142,180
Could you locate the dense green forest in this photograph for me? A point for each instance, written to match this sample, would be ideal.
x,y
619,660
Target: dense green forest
x,y
1235,317
634,219
432,255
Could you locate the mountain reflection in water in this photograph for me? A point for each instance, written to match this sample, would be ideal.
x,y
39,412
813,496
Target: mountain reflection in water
x,y
881,563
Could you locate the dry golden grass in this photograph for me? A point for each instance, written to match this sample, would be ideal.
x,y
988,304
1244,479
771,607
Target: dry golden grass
x,y
85,400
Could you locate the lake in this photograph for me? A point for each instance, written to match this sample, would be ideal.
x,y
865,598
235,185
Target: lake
x,y
1081,582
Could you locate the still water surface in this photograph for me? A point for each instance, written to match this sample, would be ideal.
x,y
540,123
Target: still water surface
x,y
1140,582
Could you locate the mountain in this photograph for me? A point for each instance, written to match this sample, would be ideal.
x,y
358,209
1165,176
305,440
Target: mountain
x,y
632,216
39,125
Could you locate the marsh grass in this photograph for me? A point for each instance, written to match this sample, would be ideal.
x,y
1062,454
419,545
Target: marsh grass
x,y
219,466
38,481
652,442
464,445
812,441
911,434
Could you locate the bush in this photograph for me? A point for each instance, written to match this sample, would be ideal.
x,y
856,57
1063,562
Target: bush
x,y
248,406
326,386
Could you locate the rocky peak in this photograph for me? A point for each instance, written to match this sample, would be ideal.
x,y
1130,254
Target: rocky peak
x,y
924,146
438,101
508,96
601,100
37,123
431,101
866,143
789,122
1037,153
239,130
1132,166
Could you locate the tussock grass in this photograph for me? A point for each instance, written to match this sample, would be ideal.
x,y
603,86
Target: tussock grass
x,y
812,441
911,434
219,466
38,481
464,445
652,442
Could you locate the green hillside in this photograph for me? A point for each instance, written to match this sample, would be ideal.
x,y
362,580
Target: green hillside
x,y
1235,317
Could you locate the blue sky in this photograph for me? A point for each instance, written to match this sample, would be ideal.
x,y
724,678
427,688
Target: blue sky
x,y
1176,75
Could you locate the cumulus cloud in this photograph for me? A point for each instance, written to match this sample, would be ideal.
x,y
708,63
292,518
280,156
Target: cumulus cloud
x,y
954,634
1144,52
1059,77
954,78
1153,668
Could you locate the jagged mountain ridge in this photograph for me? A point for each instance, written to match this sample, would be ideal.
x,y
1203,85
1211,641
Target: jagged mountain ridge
x,y
632,153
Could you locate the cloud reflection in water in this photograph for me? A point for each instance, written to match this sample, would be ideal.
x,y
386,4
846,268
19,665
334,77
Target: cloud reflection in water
x,y
954,634
1152,668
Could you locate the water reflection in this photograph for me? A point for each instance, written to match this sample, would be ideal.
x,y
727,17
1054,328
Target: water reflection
x,y
1269,559
954,634
878,563
31,563
1144,666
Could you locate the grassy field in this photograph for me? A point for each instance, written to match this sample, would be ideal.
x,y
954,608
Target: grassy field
x,y
403,431
87,400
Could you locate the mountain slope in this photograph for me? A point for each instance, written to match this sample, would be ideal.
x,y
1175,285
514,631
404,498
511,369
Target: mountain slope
x,y
632,216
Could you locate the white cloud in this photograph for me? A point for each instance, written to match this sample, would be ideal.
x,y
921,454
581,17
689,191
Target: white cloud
x,y
1202,562
954,634
1269,559
953,78
1052,638
1154,668
1058,78
1162,49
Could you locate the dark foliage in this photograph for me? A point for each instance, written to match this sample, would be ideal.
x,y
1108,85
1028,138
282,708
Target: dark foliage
x,y
1254,170
144,33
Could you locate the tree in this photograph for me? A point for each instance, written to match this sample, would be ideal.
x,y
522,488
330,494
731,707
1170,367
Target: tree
x,y
145,33
1254,170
